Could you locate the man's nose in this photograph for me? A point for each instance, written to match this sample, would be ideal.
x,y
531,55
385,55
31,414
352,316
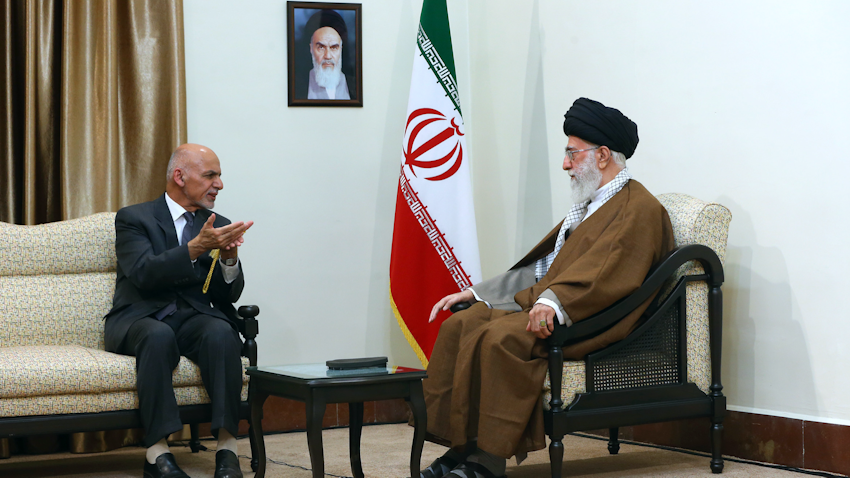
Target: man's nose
x,y
218,184
567,163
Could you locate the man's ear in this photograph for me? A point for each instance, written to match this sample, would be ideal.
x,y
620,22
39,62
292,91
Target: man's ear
x,y
177,176
604,158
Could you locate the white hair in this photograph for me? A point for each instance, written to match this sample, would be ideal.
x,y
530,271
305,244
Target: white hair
x,y
327,79
616,156
586,178
619,158
178,160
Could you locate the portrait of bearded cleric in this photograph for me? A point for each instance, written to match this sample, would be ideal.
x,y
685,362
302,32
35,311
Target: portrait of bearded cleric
x,y
324,54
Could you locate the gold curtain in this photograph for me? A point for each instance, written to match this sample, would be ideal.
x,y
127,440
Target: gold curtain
x,y
93,102
93,97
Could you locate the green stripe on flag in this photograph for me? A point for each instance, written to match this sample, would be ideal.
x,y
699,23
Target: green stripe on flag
x,y
435,44
435,21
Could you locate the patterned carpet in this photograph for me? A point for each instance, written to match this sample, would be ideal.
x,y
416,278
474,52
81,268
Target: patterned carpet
x,y
386,453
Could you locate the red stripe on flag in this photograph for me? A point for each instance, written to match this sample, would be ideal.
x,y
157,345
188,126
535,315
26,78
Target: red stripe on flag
x,y
418,277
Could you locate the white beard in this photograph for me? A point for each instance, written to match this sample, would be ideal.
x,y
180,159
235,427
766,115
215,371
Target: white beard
x,y
325,78
587,177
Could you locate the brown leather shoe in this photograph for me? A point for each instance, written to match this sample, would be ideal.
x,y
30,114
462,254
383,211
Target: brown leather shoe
x,y
165,467
227,465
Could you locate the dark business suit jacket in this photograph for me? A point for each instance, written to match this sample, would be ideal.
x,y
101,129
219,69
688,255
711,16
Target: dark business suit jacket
x,y
153,270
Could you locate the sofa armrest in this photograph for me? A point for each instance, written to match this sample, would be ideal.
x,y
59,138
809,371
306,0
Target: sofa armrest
x,y
249,328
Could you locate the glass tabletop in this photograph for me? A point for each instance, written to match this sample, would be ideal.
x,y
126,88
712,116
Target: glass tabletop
x,y
314,371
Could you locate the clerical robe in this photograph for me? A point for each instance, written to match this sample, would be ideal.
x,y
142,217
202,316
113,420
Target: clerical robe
x,y
486,371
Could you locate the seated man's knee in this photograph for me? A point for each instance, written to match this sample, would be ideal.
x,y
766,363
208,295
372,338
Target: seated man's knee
x,y
220,334
508,334
454,322
152,333
464,318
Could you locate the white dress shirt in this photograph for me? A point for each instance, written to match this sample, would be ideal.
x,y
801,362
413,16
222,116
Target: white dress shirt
x,y
230,272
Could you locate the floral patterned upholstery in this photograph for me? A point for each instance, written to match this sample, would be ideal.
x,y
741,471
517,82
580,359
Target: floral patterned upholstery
x,y
56,292
694,222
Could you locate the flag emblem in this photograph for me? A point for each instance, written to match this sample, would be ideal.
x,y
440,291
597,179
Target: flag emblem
x,y
428,122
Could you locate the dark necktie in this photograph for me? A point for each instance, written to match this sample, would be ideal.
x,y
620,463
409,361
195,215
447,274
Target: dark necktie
x,y
185,237
187,229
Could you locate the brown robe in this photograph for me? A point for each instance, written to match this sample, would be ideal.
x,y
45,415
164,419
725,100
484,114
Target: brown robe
x,y
486,371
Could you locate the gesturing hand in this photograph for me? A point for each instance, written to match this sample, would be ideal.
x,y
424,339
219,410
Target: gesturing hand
x,y
224,237
446,302
538,314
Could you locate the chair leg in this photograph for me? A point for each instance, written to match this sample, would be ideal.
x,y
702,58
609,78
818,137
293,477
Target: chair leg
x,y
716,442
556,456
613,440
195,439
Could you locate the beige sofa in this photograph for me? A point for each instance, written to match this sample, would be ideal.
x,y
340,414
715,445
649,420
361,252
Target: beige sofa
x,y
56,285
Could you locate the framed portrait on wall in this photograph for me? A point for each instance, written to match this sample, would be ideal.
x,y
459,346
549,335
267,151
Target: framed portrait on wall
x,y
324,54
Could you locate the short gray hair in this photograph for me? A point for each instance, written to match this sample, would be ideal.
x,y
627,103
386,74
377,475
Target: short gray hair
x,y
616,156
177,161
619,158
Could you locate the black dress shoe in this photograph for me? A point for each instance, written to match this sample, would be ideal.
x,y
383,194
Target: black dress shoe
x,y
227,465
165,467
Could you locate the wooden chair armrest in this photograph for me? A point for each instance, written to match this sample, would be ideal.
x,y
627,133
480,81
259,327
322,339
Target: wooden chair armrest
x,y
249,328
460,306
600,322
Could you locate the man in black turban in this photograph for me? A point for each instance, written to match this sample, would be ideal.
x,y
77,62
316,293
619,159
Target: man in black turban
x,y
604,126
488,364
327,34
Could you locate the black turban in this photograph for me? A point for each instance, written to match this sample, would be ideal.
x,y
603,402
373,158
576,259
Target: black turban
x,y
326,18
594,122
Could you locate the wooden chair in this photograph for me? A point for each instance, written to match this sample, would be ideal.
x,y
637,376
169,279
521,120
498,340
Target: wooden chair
x,y
669,367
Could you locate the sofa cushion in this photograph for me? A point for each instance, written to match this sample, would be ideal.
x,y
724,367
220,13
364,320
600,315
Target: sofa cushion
x,y
573,383
75,246
66,309
698,222
34,371
95,402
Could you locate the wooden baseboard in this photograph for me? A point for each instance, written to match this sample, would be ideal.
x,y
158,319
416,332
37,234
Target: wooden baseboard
x,y
764,438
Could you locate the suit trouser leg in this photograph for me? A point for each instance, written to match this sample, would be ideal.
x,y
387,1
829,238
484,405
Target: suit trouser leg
x,y
154,345
215,347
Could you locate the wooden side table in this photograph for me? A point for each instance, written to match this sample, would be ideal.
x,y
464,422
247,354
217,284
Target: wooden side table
x,y
316,387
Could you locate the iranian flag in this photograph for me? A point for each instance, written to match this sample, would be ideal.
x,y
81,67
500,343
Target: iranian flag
x,y
435,246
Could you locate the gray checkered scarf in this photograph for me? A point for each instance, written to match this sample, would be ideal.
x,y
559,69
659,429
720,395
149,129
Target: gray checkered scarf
x,y
575,216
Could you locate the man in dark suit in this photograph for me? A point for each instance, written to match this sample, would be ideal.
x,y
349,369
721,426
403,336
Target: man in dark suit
x,y
160,311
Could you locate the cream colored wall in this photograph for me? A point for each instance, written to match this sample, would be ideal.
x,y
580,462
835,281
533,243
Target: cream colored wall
x,y
743,103
319,182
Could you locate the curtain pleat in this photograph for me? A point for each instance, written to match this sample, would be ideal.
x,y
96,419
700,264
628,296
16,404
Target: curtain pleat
x,y
94,102
30,145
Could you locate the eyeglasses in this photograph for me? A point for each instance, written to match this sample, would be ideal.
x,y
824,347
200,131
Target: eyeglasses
x,y
570,153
